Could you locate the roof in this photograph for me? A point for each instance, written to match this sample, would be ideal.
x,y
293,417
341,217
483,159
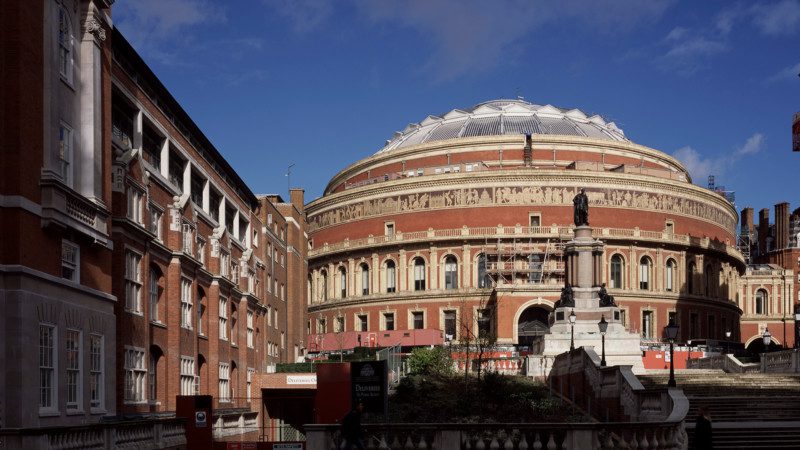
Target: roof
x,y
505,116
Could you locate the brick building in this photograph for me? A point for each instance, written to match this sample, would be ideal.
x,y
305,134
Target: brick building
x,y
155,271
458,224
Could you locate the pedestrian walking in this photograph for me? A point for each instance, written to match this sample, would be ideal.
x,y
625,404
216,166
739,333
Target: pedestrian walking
x,y
351,429
702,430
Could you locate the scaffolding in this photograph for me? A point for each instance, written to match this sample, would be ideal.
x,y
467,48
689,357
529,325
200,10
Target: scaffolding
x,y
744,244
525,262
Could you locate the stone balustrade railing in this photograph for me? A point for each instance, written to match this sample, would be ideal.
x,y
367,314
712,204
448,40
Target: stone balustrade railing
x,y
150,434
726,362
786,361
521,436
551,232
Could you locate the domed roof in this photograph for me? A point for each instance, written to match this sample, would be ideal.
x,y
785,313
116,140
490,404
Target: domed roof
x,y
499,117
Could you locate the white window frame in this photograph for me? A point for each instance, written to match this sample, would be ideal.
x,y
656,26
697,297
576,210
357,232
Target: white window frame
x,y
152,380
250,373
71,260
152,294
187,375
156,220
48,368
391,277
135,205
96,378
66,45
65,152
73,344
133,281
250,330
224,393
186,303
135,375
223,318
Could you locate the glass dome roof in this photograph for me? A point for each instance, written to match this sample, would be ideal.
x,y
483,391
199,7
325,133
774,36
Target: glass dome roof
x,y
500,117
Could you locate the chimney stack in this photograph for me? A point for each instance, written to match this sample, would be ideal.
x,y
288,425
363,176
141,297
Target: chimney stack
x,y
296,196
781,225
763,230
747,221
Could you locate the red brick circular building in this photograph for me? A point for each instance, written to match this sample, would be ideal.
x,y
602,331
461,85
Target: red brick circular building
x,y
417,236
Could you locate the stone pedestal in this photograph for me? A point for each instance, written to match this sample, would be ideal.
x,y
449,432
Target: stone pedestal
x,y
584,259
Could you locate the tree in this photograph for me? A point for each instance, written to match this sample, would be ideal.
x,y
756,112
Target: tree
x,y
477,329
430,361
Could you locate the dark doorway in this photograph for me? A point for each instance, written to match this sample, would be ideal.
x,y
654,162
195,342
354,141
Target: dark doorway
x,y
533,322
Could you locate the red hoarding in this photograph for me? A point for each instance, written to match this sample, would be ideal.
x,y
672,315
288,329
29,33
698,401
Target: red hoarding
x,y
796,133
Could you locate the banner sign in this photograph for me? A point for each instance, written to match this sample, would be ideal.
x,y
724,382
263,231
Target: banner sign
x,y
796,133
369,385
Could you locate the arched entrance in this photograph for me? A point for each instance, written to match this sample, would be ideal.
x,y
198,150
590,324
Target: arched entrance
x,y
534,321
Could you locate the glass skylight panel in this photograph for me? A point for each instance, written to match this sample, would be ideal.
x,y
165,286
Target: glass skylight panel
x,y
558,126
486,126
446,131
521,125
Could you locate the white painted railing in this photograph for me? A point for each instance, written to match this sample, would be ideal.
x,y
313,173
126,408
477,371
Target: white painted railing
x,y
726,362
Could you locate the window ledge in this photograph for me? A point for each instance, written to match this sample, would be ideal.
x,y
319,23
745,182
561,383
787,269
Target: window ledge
x,y
130,311
75,412
202,336
49,412
98,411
157,323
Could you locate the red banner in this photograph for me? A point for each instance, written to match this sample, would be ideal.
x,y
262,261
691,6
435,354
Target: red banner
x,y
796,133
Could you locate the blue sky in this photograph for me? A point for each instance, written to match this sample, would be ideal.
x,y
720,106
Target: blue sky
x,y
322,84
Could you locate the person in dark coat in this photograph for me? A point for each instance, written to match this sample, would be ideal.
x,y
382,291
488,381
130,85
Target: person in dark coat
x,y
351,429
702,430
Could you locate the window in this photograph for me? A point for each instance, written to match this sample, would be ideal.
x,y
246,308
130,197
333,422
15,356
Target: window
x,y
223,318
65,44
133,282
224,383
201,251
418,319
152,292
419,274
47,367
388,321
135,204
70,261
214,202
339,324
449,325
186,303
484,322
224,263
363,324
450,273
343,282
617,269
388,229
96,371
645,265
134,375
176,167
155,223
672,318
669,276
187,376
151,146
691,272
230,214
72,341
322,326
623,318
250,373
535,220
709,281
391,277
364,279
152,377
243,224
197,186
761,301
250,331
483,276
65,153
283,339
201,314
712,327
647,324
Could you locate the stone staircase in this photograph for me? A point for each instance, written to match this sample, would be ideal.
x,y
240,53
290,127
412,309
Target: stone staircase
x,y
749,411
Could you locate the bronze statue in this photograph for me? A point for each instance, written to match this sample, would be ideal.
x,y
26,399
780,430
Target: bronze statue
x,y
605,299
581,202
567,299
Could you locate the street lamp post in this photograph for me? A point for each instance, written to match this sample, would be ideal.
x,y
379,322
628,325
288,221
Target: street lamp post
x,y
767,338
572,318
671,333
603,325
728,341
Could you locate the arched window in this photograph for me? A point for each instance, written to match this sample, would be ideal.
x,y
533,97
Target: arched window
x,y
645,267
450,272
616,273
391,277
483,277
323,275
342,282
364,279
65,45
201,310
419,274
761,302
153,292
669,276
709,280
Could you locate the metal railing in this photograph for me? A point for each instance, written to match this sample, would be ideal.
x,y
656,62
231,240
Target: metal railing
x,y
393,357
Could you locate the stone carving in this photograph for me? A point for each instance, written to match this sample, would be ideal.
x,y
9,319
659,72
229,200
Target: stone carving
x,y
567,299
520,195
581,204
605,298
95,28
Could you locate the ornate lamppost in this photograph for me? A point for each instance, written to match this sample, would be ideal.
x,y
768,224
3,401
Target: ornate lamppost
x,y
572,318
603,325
767,338
671,333
728,341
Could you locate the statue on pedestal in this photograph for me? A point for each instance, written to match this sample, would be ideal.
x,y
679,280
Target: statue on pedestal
x,y
567,299
605,298
581,204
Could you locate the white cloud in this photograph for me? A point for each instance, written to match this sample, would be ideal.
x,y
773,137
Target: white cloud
x,y
787,73
775,19
688,51
147,22
304,15
472,36
700,167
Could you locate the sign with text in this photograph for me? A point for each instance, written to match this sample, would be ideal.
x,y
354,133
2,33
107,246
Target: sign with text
x,y
288,446
369,385
200,419
796,133
301,379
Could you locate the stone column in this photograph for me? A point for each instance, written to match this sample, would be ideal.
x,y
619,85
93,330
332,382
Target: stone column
x,y
375,275
433,258
402,271
466,267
